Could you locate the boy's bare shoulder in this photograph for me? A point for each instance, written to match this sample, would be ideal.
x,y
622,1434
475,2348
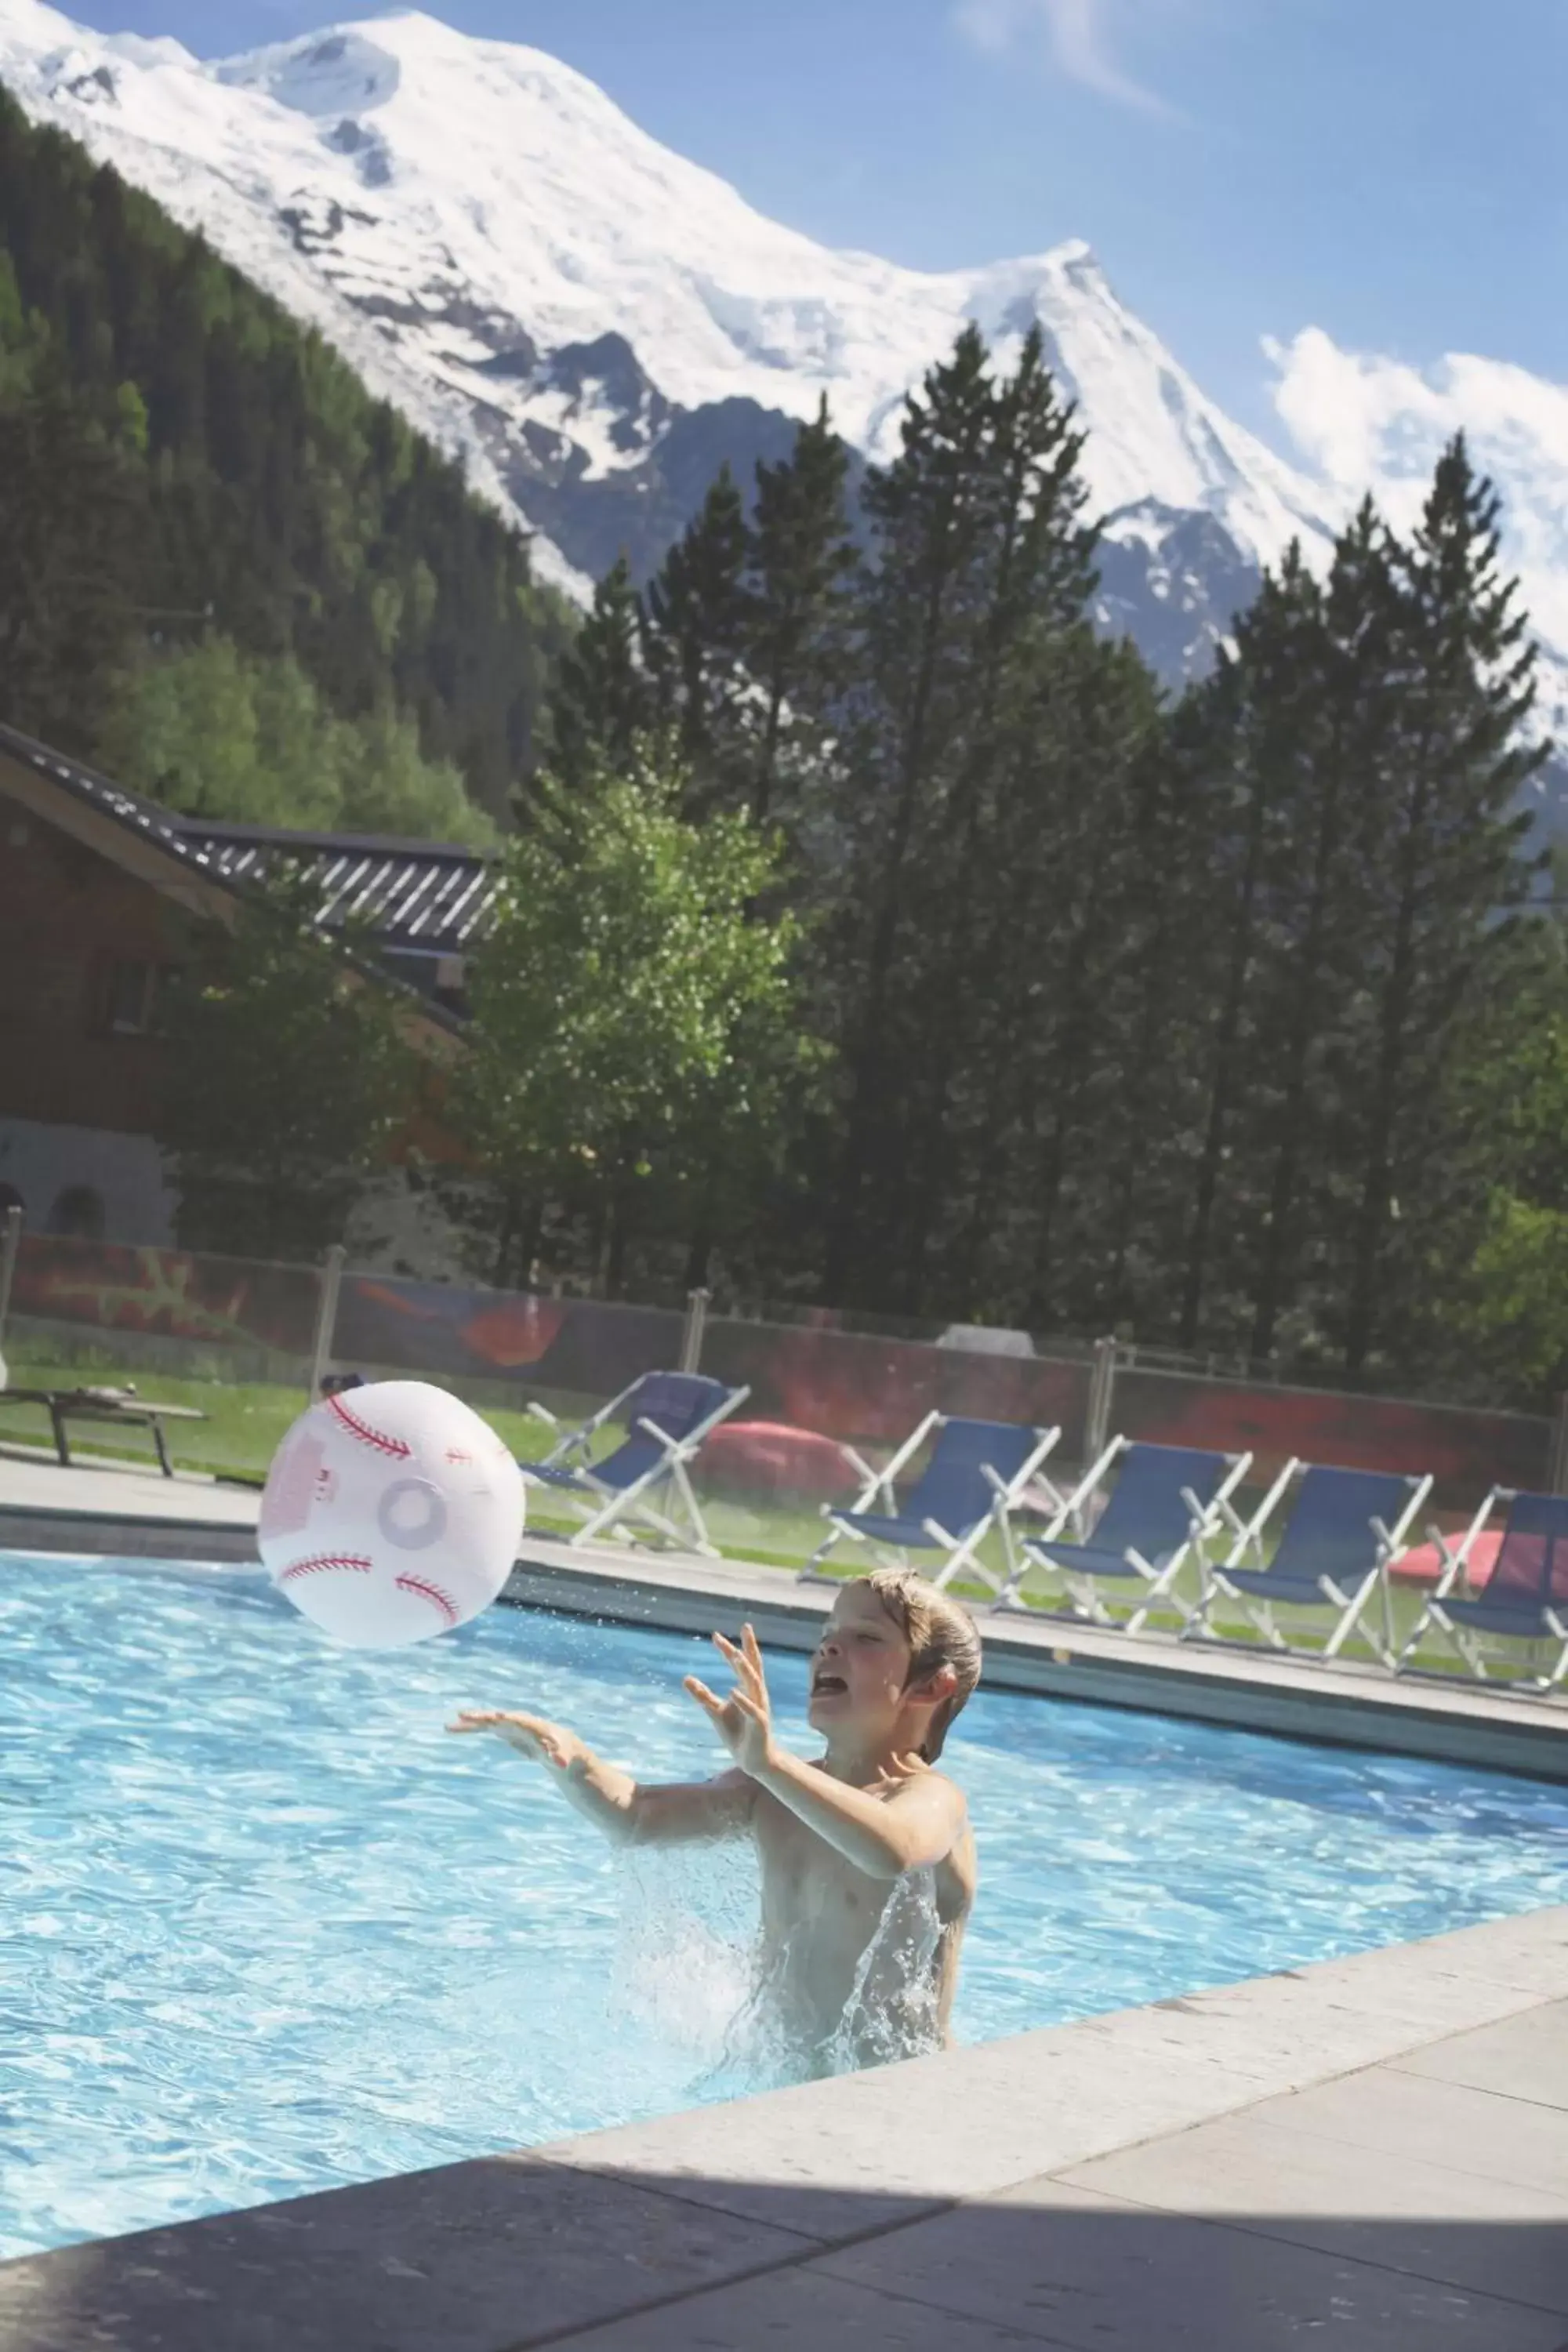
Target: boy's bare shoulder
x,y
931,1787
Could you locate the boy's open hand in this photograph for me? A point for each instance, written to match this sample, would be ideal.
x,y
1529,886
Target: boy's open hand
x,y
744,1720
546,1743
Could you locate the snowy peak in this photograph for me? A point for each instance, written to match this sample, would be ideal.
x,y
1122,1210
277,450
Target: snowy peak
x,y
554,219
334,74
592,323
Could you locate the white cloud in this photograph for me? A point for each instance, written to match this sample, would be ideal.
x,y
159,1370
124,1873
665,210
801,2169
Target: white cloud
x,y
1076,38
1367,423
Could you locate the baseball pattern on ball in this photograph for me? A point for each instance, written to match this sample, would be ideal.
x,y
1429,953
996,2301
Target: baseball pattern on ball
x,y
391,1514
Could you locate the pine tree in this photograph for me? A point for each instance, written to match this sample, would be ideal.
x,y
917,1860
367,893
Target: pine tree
x,y
1244,739
800,560
602,698
71,576
1441,849
970,607
1343,702
1039,1082
696,640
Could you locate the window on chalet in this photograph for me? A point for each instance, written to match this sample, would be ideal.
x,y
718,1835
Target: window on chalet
x,y
132,1002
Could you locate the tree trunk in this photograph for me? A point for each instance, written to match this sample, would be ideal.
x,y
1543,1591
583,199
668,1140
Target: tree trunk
x,y
1377,1187
1223,1082
1306,989
868,1096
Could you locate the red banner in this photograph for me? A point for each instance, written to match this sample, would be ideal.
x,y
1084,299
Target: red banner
x,y
1465,1451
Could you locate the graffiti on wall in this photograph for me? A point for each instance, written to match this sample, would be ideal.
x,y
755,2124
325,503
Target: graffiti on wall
x,y
581,1345
167,1294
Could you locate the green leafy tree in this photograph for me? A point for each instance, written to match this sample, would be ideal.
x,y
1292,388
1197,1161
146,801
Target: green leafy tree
x,y
389,786
1496,1239
213,732
289,1080
634,1047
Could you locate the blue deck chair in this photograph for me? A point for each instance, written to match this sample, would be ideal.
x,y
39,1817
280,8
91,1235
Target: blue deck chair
x,y
1344,1529
1165,1504
977,1476
667,1415
1526,1595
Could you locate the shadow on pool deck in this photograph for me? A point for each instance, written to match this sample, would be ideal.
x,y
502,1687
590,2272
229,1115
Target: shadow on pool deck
x,y
1373,2153
489,2256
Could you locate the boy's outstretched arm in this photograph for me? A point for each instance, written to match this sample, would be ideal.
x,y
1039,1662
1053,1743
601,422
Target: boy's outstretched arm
x,y
627,1812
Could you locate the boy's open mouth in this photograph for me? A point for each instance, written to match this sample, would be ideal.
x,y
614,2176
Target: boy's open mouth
x,y
827,1685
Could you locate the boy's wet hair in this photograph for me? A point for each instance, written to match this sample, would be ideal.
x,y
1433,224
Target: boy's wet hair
x,y
939,1632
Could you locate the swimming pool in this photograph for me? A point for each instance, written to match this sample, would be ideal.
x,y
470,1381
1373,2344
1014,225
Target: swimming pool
x,y
268,1930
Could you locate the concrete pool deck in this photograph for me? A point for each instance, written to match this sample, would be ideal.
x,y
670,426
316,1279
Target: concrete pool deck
x,y
1373,2153
107,1512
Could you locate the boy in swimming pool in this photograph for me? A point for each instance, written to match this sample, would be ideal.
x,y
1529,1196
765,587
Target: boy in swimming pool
x,y
837,1838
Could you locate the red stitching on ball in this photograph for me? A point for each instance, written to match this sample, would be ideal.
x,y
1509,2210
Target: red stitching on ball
x,y
321,1560
431,1592
456,1454
365,1433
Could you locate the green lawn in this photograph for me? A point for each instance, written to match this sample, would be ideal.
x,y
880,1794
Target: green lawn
x,y
246,1420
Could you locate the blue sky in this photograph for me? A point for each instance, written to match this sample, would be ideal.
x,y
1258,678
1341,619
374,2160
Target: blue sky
x,y
1388,170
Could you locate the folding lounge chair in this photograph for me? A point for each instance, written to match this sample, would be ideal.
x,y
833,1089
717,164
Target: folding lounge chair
x,y
1526,1595
978,1474
1166,1502
667,1416
1344,1529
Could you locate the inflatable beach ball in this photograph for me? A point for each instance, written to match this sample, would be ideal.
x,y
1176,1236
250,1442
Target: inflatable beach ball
x,y
392,1513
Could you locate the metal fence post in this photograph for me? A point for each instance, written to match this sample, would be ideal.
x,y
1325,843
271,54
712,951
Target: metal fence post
x,y
1101,1387
10,1244
696,1322
1559,1470
327,1315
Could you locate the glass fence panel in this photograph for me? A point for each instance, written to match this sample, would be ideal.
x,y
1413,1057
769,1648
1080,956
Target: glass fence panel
x,y
228,1339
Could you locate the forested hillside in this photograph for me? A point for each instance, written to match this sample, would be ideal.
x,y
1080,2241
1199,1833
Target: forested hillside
x,y
209,531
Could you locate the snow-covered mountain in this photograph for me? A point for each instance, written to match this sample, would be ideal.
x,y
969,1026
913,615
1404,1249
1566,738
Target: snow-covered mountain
x,y
595,322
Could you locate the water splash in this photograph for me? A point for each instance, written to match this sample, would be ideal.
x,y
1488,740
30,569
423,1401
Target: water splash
x,y
692,1972
895,2008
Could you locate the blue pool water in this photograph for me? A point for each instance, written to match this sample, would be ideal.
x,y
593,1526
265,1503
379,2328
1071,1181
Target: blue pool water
x,y
266,1930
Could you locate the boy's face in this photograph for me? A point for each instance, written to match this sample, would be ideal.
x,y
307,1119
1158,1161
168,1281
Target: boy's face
x,y
859,1667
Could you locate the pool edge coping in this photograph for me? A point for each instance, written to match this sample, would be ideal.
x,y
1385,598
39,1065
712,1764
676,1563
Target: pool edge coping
x,y
1347,1705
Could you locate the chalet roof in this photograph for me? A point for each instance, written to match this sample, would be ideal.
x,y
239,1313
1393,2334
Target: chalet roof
x,y
417,900
419,897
